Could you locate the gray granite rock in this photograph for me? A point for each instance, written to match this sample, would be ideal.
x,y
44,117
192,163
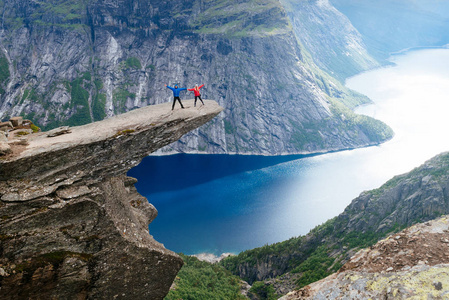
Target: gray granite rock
x,y
58,131
16,121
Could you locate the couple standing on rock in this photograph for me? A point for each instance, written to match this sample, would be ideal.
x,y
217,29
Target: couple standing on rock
x,y
176,90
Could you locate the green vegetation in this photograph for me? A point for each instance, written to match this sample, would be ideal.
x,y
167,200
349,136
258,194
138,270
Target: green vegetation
x,y
317,266
311,258
199,280
58,13
151,67
4,70
79,101
98,84
25,95
120,96
98,102
235,20
22,133
263,290
86,76
323,250
98,107
61,11
308,134
133,63
375,130
229,128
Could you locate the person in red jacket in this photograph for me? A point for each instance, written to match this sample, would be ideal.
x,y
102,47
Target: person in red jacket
x,y
196,91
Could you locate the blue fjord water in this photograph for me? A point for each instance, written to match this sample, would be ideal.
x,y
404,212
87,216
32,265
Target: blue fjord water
x,y
230,203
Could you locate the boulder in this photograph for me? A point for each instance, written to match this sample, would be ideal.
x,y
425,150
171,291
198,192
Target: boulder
x,y
16,121
23,141
5,126
4,148
59,131
3,137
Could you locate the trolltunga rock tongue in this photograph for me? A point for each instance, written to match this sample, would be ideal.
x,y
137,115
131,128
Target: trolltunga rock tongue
x,y
72,224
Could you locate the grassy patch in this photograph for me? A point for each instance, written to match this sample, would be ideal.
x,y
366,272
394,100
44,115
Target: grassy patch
x,y
79,101
98,107
133,63
22,133
229,128
376,131
254,17
120,96
34,128
307,134
4,70
151,67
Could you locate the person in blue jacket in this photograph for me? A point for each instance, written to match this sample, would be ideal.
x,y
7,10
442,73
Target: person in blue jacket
x,y
176,90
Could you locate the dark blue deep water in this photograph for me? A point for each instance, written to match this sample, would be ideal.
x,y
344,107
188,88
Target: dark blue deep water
x,y
212,203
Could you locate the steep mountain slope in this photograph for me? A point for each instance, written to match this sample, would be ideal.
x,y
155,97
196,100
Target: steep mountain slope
x,y
418,196
413,264
65,62
393,25
335,45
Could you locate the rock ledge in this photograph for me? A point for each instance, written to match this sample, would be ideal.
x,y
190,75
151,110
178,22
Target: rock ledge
x,y
72,225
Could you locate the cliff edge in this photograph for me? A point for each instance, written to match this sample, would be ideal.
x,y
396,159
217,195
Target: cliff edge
x,y
72,225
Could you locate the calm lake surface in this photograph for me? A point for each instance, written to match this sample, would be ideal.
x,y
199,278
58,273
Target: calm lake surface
x,y
227,203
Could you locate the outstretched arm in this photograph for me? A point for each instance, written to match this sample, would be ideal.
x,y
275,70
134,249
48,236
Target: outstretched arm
x,y
200,86
191,90
182,89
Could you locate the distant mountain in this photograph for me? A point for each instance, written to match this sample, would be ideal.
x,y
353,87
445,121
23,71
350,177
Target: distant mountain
x,y
73,62
335,45
418,196
393,25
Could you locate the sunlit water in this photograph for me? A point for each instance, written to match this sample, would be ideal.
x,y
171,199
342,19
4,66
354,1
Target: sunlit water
x,y
222,203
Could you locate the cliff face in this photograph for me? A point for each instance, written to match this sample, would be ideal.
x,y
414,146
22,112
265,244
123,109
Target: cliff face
x,y
328,35
418,196
72,224
73,63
